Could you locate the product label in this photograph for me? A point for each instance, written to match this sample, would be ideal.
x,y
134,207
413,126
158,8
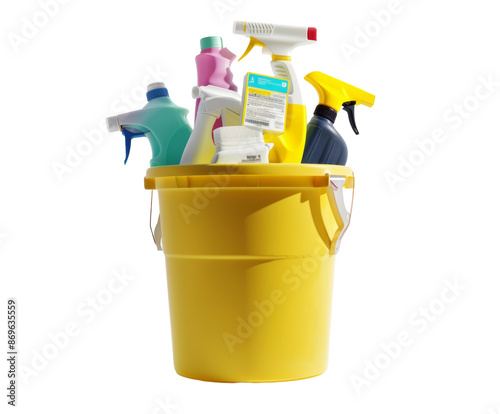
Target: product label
x,y
265,102
252,159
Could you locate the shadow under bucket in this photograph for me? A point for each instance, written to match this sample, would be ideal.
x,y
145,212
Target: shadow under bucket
x,y
250,252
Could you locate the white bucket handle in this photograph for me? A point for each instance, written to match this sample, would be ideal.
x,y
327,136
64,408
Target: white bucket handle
x,y
339,210
157,231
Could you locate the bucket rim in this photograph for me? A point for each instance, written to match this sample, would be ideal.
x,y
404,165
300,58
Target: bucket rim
x,y
247,175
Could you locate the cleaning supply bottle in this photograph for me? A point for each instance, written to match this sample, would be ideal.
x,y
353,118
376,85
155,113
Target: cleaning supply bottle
x,y
280,41
215,103
240,144
161,121
324,145
214,68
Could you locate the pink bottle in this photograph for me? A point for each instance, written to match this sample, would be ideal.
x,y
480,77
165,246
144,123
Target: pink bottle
x,y
213,64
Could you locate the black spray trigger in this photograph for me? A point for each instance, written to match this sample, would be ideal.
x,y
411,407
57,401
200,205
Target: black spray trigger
x,y
349,108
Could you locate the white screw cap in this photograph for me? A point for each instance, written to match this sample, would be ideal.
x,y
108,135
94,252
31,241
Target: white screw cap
x,y
155,85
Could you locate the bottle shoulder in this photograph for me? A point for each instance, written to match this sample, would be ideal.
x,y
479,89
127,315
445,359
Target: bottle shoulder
x,y
322,122
163,102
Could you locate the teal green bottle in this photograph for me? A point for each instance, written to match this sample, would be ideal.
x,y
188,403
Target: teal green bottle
x,y
161,121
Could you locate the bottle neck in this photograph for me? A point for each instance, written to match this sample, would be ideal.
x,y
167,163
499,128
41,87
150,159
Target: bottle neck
x,y
211,50
326,112
157,93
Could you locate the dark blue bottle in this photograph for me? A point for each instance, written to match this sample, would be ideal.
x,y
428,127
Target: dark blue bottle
x,y
324,145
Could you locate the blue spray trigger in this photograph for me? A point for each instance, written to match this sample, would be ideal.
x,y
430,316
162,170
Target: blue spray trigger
x,y
129,134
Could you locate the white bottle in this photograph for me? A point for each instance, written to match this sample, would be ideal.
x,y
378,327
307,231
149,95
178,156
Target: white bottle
x,y
214,102
240,144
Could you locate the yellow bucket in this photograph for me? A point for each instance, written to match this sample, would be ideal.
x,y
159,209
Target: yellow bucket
x,y
250,251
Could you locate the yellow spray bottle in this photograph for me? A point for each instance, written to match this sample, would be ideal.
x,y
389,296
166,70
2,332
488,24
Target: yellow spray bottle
x,y
280,41
324,145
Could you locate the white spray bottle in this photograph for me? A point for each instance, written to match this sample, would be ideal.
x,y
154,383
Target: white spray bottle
x,y
215,102
280,41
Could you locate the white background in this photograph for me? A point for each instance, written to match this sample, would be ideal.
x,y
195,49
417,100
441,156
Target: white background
x,y
62,237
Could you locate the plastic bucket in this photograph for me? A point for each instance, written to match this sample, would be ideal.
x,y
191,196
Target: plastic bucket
x,y
250,253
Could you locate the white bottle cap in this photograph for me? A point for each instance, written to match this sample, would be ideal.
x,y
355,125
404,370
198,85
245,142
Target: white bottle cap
x,y
155,85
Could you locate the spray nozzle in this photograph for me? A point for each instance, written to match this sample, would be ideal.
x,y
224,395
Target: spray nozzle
x,y
114,125
154,90
279,40
213,100
162,122
253,42
336,94
129,134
